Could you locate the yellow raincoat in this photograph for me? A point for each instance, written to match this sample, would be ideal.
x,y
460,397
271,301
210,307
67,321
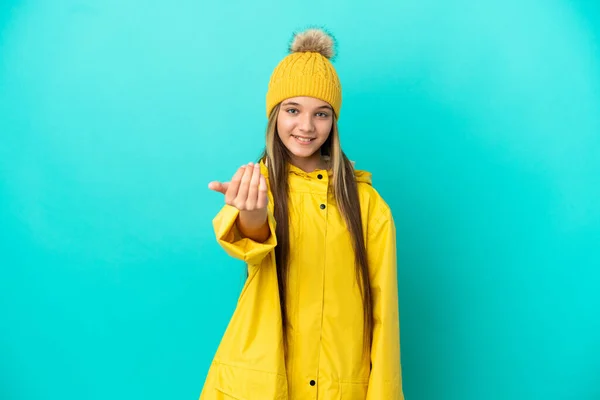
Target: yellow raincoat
x,y
325,330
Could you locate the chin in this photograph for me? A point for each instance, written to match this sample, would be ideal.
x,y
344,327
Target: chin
x,y
302,154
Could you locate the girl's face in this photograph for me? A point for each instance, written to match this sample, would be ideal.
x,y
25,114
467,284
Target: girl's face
x,y
303,125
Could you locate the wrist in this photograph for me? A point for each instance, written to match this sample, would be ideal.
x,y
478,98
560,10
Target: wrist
x,y
253,225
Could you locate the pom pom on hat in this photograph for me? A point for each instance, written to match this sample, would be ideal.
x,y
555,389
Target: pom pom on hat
x,y
314,40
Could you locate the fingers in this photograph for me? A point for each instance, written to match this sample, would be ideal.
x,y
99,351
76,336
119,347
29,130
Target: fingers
x,y
220,187
263,198
247,189
251,202
242,195
232,190
216,186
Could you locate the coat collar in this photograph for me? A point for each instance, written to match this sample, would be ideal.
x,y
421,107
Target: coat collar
x,y
361,175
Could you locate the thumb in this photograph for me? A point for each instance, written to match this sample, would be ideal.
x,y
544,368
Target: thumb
x,y
218,186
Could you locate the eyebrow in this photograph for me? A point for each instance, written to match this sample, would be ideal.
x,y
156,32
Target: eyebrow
x,y
291,103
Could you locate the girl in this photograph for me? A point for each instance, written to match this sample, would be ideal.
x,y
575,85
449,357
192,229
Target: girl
x,y
318,315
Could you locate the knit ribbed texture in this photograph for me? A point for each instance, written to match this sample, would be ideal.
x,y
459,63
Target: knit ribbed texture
x,y
305,74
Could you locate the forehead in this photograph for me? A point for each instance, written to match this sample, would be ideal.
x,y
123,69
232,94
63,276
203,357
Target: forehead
x,y
306,101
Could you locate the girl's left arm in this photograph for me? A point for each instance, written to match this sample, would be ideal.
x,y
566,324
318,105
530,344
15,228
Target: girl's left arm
x,y
385,380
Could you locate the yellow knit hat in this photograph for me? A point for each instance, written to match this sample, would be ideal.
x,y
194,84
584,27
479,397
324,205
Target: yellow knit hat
x,y
307,71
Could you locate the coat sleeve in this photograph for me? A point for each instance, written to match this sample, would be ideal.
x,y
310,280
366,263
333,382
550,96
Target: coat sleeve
x,y
235,245
385,381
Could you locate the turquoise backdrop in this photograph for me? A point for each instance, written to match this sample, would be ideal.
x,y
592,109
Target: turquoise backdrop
x,y
480,121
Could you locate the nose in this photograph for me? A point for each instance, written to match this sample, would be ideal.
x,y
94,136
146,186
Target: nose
x,y
306,123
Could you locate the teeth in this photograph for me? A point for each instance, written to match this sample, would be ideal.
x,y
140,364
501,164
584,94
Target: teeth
x,y
302,139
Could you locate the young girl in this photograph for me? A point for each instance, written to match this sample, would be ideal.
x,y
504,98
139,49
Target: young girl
x,y
318,315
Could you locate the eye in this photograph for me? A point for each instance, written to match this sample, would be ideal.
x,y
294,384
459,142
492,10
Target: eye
x,y
322,115
291,111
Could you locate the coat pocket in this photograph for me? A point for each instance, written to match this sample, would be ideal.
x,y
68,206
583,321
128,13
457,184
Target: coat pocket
x,y
353,390
241,383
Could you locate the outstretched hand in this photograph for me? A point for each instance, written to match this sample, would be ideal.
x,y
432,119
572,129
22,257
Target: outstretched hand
x,y
247,190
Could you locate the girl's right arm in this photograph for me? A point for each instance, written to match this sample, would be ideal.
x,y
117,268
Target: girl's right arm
x,y
247,192
244,227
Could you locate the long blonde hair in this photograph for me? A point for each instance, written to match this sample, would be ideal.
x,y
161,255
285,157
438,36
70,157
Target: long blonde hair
x,y
345,189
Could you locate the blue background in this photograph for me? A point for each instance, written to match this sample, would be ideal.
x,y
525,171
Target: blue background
x,y
480,122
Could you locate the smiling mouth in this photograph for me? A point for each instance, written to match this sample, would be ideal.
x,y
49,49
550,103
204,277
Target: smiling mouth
x,y
303,139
